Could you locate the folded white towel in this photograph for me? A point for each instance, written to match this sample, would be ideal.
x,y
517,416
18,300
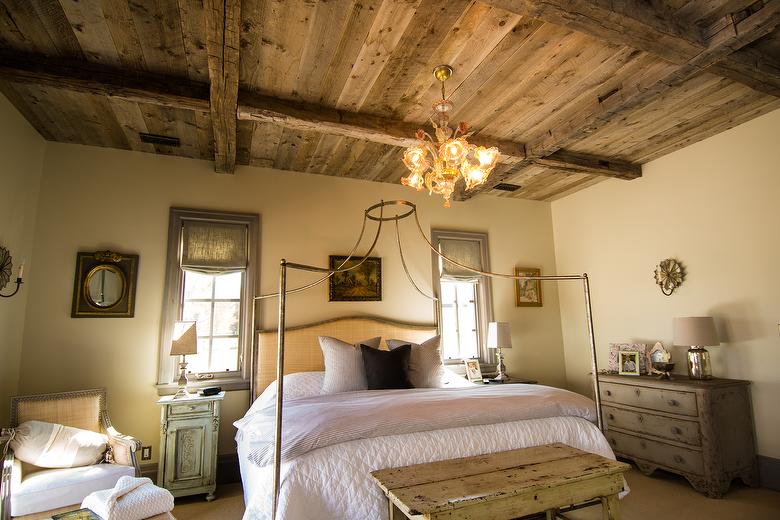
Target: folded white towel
x,y
131,499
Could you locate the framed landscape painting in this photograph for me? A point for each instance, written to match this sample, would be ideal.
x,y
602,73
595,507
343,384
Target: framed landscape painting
x,y
363,284
528,293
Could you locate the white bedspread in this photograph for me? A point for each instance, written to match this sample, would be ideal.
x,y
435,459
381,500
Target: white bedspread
x,y
334,442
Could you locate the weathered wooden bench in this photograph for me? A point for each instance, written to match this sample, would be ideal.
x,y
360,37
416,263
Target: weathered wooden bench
x,y
503,485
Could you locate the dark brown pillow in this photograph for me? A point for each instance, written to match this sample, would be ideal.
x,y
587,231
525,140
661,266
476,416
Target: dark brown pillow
x,y
386,369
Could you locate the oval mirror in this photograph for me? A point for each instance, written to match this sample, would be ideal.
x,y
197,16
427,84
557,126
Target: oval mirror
x,y
105,285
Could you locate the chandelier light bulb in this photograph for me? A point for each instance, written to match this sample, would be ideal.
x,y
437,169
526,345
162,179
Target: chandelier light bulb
x,y
450,155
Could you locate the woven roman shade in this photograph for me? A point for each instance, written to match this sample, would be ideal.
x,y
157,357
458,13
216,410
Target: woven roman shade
x,y
213,247
466,252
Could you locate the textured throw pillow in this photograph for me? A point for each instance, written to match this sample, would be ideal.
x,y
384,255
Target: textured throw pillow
x,y
425,366
386,369
48,445
344,371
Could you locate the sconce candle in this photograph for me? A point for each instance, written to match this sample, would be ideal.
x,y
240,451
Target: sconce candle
x,y
21,270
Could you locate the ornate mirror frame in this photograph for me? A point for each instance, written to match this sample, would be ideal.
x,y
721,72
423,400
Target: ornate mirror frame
x,y
87,265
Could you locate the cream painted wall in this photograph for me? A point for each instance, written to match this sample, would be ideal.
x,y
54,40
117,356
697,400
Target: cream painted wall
x,y
93,198
714,206
21,149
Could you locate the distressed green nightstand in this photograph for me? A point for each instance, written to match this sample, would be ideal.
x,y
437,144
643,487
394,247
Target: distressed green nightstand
x,y
189,428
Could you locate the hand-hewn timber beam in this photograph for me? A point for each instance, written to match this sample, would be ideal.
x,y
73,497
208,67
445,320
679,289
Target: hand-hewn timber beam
x,y
639,90
648,27
572,162
316,118
222,43
80,76
183,94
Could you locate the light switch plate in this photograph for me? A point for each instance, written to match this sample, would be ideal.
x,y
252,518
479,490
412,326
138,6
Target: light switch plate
x,y
146,453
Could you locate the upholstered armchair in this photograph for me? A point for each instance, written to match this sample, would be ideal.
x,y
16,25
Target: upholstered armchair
x,y
28,490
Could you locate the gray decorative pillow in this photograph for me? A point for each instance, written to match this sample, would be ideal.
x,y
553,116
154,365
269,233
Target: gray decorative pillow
x,y
49,445
425,367
344,370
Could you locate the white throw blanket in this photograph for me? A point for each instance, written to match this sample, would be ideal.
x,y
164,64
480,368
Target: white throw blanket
x,y
131,499
321,421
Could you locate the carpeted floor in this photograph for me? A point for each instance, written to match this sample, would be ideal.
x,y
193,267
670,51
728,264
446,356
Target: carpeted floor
x,y
660,497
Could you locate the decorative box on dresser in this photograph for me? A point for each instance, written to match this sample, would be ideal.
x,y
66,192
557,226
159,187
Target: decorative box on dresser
x,y
702,430
188,444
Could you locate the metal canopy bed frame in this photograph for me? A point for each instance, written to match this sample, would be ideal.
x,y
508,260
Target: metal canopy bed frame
x,y
405,209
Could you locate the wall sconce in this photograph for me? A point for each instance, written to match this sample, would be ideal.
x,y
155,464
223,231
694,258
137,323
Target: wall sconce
x,y
669,275
5,272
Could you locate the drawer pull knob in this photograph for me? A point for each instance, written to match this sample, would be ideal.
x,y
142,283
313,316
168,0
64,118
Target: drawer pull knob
x,y
609,392
678,459
673,402
676,430
641,419
611,417
636,391
643,444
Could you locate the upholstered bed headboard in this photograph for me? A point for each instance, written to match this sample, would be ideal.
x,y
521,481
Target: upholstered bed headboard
x,y
302,349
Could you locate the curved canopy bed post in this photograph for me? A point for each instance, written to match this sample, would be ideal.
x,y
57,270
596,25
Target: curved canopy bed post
x,y
283,291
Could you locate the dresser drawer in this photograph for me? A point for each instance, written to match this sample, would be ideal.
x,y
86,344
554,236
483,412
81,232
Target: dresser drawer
x,y
682,459
671,401
175,410
674,429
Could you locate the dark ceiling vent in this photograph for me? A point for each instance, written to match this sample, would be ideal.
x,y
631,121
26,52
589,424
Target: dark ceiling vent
x,y
505,186
159,139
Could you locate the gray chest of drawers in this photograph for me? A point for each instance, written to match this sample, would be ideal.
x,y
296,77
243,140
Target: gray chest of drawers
x,y
702,430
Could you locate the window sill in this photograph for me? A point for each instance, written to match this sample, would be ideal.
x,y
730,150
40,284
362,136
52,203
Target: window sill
x,y
226,384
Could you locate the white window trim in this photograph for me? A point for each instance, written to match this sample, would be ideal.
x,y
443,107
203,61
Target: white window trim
x,y
171,311
485,292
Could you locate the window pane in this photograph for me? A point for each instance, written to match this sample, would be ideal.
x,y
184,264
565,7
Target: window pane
x,y
224,354
467,320
197,285
226,318
200,312
459,320
449,325
228,286
200,361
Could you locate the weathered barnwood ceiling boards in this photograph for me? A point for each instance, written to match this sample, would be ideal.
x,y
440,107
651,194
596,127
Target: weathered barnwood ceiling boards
x,y
571,91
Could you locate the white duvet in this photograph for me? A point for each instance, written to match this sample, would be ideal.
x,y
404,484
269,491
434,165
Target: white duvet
x,y
326,473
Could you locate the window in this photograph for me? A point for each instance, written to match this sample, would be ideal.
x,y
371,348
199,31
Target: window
x,y
210,280
465,297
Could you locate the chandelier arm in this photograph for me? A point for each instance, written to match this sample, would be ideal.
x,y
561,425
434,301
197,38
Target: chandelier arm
x,y
406,269
489,273
342,264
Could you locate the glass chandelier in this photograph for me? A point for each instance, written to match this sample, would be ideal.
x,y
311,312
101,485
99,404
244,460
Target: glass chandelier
x,y
439,164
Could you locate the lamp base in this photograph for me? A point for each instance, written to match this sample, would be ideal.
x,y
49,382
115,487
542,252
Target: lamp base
x,y
182,392
699,365
501,368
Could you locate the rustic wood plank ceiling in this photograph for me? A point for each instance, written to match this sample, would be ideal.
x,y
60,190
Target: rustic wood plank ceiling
x,y
572,91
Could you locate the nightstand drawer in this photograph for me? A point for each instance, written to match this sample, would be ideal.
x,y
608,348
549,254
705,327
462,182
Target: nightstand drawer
x,y
663,400
674,429
688,461
190,408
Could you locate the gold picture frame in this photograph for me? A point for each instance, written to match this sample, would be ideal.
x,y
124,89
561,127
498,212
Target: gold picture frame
x,y
104,285
528,293
362,284
628,362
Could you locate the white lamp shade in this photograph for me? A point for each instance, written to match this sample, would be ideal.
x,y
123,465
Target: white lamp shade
x,y
185,338
499,335
695,331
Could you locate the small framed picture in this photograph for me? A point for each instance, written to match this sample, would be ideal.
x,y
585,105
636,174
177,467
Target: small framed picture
x,y
628,362
528,293
473,372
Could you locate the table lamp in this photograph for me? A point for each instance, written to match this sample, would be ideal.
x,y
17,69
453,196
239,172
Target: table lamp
x,y
184,341
696,333
499,337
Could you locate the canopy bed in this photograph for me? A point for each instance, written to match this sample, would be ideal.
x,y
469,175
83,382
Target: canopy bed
x,y
315,451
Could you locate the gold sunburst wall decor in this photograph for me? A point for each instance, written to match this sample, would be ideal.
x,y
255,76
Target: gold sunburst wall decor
x,y
669,275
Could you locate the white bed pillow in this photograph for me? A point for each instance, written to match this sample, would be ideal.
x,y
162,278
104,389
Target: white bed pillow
x,y
425,367
296,386
49,445
344,370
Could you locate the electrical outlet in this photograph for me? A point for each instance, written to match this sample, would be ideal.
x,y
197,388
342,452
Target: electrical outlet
x,y
146,453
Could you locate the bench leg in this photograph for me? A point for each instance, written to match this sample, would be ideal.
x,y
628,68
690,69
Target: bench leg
x,y
610,506
551,514
393,512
